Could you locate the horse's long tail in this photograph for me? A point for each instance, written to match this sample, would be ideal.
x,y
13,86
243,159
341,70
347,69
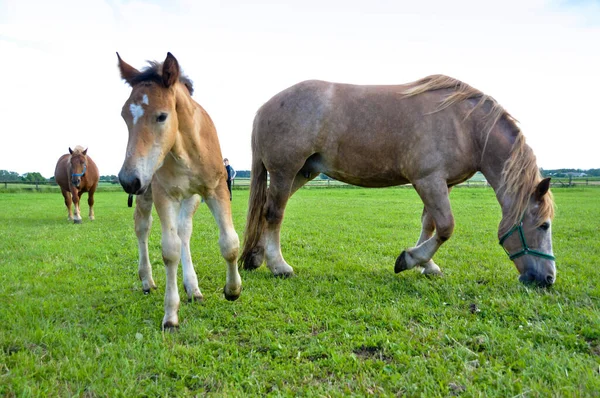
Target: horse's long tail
x,y
252,254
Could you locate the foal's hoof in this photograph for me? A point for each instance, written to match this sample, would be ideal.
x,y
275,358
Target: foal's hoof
x,y
401,263
233,294
170,327
76,221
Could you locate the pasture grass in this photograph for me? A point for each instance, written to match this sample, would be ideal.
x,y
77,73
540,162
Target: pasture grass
x,y
74,321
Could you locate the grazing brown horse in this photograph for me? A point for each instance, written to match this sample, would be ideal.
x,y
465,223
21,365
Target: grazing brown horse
x,y
433,133
173,156
76,173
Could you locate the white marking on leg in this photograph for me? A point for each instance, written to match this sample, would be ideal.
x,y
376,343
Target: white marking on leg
x,y
184,230
136,111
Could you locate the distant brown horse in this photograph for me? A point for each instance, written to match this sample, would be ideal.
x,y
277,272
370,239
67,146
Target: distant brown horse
x,y
76,173
433,133
173,156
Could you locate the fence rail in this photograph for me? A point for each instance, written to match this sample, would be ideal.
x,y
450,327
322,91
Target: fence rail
x,y
244,183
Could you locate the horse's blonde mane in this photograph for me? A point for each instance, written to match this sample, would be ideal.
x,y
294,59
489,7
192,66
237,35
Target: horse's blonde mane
x,y
78,150
520,174
520,178
462,92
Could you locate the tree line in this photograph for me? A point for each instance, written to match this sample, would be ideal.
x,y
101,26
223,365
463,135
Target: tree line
x,y
12,176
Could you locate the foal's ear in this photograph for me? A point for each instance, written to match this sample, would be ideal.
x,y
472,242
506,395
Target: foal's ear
x,y
542,188
128,72
85,152
170,72
70,151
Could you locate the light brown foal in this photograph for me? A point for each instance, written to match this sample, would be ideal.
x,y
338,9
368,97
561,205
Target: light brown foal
x,y
173,156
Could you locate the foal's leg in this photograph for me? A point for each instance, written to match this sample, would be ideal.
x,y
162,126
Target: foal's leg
x,y
68,201
434,194
220,206
76,198
143,223
168,211
427,229
184,230
91,203
278,194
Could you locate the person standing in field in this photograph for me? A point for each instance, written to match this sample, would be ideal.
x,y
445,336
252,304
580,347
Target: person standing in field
x,y
230,175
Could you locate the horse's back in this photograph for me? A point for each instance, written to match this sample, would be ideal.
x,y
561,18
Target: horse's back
x,y
364,135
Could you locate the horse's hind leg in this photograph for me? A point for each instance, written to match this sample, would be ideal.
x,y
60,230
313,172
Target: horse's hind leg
x,y
220,206
184,230
143,223
279,193
91,203
258,252
68,201
434,194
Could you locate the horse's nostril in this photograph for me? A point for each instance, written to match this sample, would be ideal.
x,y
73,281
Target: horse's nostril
x,y
549,279
136,185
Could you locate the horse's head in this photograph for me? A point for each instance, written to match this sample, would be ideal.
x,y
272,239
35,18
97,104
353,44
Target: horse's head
x,y
529,242
77,165
151,117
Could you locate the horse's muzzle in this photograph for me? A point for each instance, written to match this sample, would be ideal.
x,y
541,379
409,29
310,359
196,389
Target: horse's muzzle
x,y
132,185
542,280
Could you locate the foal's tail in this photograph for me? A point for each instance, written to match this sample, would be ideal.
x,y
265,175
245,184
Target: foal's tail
x,y
252,254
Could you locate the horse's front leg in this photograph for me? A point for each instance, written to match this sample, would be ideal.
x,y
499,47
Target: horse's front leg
x,y
427,229
184,230
220,206
76,198
68,202
143,223
434,194
168,211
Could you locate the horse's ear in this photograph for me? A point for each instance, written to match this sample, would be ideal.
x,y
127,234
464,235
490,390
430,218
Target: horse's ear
x,y
542,188
170,72
84,152
70,151
128,72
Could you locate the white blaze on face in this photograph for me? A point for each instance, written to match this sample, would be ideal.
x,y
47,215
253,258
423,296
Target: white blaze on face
x,y
136,109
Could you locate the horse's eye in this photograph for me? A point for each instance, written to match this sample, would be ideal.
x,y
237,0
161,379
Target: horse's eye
x,y
545,226
161,118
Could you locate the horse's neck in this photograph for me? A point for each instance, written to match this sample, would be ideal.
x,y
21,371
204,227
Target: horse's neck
x,y
498,151
189,116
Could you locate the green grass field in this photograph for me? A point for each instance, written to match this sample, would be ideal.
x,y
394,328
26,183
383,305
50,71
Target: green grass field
x,y
74,321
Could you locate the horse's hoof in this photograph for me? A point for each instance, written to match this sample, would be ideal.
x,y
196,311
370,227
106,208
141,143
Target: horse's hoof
x,y
231,296
432,273
285,275
170,327
253,260
146,291
401,263
196,299
77,221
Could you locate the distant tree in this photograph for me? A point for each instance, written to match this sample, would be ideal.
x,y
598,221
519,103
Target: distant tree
x,y
242,174
33,177
323,177
111,178
9,175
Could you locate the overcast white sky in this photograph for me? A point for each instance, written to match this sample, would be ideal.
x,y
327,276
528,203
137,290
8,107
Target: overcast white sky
x,y
61,87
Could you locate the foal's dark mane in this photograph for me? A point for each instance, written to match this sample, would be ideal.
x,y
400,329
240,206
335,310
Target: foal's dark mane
x,y
153,73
